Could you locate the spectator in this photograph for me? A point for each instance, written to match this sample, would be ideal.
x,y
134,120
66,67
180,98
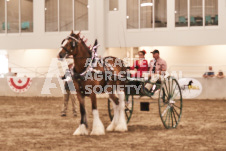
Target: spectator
x,y
9,73
210,73
69,87
220,74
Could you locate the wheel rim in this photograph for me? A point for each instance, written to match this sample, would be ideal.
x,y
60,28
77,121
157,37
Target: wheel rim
x,y
128,108
170,103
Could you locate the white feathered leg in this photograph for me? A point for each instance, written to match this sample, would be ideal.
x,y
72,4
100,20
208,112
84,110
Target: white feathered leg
x,y
114,121
121,124
81,130
98,127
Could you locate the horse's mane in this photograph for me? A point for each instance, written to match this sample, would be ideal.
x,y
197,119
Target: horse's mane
x,y
77,36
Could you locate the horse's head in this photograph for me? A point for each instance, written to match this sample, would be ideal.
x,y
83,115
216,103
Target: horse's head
x,y
70,45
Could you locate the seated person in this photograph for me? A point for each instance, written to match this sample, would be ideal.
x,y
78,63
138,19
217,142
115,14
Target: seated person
x,y
140,65
210,73
158,67
220,74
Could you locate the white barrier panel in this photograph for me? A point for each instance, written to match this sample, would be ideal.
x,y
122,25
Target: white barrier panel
x,y
34,90
212,88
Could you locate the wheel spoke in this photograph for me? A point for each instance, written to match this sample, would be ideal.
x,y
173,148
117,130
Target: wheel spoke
x,y
164,104
169,118
172,117
169,86
164,112
165,92
176,112
175,118
174,88
127,115
175,95
166,116
176,106
166,88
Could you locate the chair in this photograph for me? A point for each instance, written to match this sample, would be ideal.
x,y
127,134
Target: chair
x,y
25,25
192,20
208,20
182,20
216,20
3,26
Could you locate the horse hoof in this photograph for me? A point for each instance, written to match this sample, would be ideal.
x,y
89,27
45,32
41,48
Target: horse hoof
x,y
121,127
110,128
81,130
97,132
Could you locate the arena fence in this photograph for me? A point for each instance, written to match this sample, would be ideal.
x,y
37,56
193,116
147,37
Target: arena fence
x,y
211,88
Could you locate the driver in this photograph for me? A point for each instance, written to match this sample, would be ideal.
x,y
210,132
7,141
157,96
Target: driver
x,y
158,67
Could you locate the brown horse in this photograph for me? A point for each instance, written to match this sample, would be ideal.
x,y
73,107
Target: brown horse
x,y
75,46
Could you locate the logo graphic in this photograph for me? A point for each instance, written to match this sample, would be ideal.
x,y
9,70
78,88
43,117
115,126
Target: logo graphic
x,y
191,88
19,85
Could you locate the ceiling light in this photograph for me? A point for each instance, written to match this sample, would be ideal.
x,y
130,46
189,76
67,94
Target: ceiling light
x,y
146,4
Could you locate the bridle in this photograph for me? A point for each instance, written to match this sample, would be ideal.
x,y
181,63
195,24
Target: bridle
x,y
73,44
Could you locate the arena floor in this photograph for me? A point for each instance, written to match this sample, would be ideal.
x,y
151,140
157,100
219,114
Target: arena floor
x,y
36,124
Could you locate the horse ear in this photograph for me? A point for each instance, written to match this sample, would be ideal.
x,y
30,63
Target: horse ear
x,y
79,33
96,42
72,32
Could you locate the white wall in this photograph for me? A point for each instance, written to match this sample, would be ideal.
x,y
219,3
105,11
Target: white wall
x,y
31,62
118,35
110,29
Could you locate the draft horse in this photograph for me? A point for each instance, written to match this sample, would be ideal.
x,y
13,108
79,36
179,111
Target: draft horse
x,y
76,46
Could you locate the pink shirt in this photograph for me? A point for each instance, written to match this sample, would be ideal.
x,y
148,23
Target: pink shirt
x,y
160,65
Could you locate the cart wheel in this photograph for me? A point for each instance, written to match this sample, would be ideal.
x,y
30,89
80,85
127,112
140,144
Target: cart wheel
x,y
170,103
128,107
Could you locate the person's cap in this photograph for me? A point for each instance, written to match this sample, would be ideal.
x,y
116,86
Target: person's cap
x,y
155,51
144,51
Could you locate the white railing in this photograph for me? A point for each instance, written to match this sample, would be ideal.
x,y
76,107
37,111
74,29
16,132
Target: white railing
x,y
34,71
187,70
195,70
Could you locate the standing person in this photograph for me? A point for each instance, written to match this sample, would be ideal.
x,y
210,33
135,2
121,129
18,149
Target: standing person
x,y
158,66
140,65
10,73
70,91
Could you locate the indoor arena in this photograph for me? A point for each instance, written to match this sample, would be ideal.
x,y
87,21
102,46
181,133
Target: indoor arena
x,y
146,75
